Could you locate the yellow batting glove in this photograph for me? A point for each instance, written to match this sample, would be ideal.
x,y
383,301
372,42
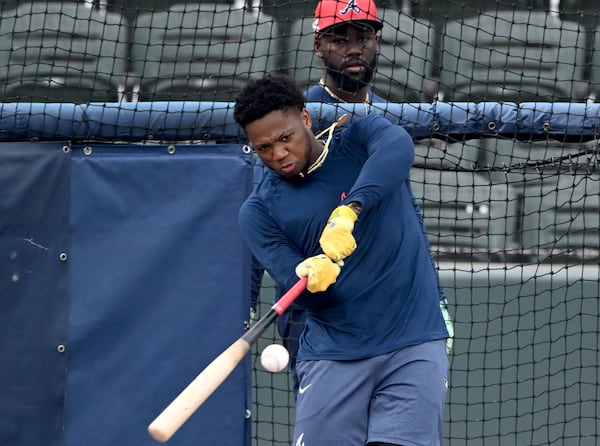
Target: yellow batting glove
x,y
321,272
336,239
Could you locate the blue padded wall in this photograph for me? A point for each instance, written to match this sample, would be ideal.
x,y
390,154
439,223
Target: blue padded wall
x,y
122,275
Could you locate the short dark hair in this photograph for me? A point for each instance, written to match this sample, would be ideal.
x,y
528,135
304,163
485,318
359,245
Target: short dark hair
x,y
262,96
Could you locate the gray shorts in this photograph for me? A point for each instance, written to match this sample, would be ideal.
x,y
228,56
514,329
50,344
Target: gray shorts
x,y
394,398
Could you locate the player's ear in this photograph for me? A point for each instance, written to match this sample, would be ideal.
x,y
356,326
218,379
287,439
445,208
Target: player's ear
x,y
306,119
318,51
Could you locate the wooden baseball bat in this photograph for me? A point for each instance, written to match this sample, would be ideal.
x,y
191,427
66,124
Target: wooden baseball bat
x,y
197,392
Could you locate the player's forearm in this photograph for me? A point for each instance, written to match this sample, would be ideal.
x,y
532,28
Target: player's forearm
x,y
391,155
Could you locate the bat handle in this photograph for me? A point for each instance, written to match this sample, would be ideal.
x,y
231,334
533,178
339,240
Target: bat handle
x,y
290,296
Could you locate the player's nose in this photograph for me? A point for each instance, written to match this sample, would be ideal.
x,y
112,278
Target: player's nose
x,y
354,47
280,151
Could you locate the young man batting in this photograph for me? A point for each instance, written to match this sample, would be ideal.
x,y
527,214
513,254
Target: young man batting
x,y
372,364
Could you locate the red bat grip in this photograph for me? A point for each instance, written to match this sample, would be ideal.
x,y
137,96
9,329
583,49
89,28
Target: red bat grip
x,y
290,296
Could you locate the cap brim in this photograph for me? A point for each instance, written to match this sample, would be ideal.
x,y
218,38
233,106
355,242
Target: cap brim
x,y
376,25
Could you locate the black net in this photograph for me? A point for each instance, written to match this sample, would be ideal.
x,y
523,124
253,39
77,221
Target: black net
x,y
513,218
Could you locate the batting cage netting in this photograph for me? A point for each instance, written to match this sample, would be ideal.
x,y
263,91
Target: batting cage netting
x,y
500,99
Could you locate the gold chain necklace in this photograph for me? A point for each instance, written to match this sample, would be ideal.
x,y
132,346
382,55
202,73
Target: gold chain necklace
x,y
365,102
323,155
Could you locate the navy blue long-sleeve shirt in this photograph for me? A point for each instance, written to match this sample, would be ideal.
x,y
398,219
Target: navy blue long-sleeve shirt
x,y
386,296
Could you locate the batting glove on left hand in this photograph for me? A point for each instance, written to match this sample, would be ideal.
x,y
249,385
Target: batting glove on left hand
x,y
321,272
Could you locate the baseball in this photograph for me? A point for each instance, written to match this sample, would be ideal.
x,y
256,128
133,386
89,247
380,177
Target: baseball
x,y
274,358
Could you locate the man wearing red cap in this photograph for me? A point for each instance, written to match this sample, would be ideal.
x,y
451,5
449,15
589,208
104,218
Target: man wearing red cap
x,y
347,42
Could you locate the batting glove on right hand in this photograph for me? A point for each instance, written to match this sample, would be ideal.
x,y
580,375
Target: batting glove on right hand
x,y
337,241
321,271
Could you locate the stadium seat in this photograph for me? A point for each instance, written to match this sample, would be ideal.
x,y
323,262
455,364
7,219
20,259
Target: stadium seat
x,y
583,11
595,63
286,11
61,52
201,52
299,60
406,59
513,56
437,153
130,9
561,219
438,11
466,216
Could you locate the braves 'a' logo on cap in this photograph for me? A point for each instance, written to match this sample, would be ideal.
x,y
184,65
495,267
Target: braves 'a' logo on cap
x,y
351,5
333,12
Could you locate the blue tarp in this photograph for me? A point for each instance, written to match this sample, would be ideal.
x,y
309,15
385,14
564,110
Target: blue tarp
x,y
34,292
123,275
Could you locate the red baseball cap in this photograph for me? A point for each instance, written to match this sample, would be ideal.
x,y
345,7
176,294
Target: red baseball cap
x,y
335,12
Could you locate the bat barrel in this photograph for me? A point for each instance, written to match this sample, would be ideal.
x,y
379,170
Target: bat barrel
x,y
197,392
193,396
